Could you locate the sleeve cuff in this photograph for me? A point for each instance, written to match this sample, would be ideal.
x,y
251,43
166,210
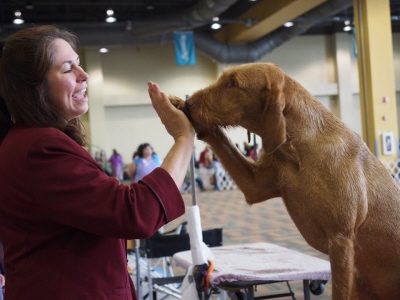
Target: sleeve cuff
x,y
167,193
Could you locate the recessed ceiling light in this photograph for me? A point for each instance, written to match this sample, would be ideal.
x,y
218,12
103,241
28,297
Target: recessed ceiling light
x,y
288,24
103,50
110,19
18,17
347,28
110,14
216,26
347,25
18,21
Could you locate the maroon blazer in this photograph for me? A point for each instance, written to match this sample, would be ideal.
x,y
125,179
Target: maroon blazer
x,y
64,222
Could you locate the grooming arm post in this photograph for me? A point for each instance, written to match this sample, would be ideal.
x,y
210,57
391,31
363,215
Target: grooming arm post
x,y
192,179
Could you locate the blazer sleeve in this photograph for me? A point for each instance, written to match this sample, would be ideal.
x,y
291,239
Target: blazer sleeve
x,y
69,188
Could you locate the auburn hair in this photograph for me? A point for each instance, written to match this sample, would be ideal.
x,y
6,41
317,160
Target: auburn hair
x,y
25,59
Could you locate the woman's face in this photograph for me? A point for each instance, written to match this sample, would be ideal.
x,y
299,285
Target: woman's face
x,y
67,81
148,151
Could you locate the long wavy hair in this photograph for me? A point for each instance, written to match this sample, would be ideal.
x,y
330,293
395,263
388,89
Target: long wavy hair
x,y
25,59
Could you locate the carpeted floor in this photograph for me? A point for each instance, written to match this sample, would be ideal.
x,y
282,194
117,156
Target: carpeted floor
x,y
263,222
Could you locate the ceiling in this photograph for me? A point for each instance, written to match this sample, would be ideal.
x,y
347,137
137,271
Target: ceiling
x,y
249,30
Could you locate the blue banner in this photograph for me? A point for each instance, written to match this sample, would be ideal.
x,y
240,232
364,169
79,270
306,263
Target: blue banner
x,y
354,42
184,48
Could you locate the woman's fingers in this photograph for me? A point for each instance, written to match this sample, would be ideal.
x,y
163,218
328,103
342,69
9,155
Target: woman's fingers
x,y
173,119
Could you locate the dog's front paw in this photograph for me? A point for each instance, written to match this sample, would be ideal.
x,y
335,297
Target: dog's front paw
x,y
177,102
201,130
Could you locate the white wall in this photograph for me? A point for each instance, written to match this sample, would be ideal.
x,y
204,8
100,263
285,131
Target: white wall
x,y
120,113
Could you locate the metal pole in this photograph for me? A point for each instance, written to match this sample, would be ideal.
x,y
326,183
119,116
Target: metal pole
x,y
192,179
138,284
255,147
306,289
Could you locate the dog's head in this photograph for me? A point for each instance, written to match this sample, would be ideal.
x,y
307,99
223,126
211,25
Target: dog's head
x,y
251,96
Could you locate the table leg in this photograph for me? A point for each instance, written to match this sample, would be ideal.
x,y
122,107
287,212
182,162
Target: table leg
x,y
306,289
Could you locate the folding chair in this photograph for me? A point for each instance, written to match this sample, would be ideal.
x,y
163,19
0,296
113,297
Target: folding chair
x,y
162,247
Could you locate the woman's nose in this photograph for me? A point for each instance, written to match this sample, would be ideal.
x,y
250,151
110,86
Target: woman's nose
x,y
83,76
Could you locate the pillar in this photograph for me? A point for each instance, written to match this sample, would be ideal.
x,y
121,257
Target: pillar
x,y
376,71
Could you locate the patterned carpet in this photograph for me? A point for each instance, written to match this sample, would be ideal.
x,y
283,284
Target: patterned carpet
x,y
263,222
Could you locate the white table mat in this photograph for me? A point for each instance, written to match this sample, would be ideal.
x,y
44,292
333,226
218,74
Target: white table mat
x,y
260,261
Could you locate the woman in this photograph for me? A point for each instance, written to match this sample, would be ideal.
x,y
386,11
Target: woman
x,y
117,165
144,161
63,221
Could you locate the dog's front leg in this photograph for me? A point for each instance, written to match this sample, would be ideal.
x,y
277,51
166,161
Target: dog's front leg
x,y
341,256
256,181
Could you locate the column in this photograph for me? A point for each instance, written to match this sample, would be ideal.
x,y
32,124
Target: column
x,y
376,71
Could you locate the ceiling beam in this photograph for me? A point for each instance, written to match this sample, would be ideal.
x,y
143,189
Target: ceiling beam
x,y
271,14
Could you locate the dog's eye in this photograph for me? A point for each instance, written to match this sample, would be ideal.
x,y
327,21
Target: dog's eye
x,y
232,82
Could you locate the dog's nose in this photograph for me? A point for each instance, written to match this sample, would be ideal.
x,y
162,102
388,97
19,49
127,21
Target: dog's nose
x,y
190,101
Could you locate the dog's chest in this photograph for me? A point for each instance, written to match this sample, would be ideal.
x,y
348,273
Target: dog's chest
x,y
308,217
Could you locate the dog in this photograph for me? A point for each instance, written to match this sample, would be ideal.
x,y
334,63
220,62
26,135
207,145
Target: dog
x,y
340,196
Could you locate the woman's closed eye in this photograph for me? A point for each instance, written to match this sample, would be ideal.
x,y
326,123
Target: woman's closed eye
x,y
70,70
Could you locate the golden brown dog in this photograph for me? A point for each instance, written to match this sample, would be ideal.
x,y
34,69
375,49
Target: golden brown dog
x,y
340,196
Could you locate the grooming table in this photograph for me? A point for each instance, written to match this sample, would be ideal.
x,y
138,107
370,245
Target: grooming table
x,y
248,265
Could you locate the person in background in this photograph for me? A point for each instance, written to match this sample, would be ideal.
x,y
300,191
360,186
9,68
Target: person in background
x,y
205,159
205,166
64,222
144,162
132,166
117,165
246,149
104,164
188,180
2,286
216,164
97,157
254,152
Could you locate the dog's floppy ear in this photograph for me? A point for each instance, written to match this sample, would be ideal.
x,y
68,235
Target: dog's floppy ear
x,y
273,121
